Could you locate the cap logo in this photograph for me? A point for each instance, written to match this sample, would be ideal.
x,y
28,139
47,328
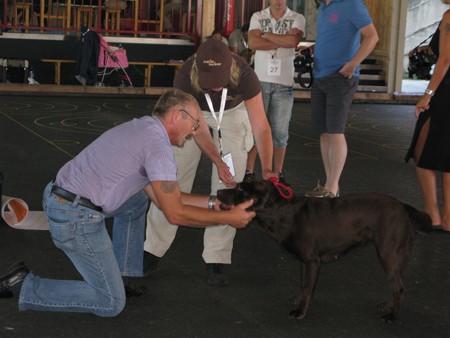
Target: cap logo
x,y
212,63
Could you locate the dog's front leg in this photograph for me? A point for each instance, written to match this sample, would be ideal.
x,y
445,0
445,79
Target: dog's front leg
x,y
297,299
311,269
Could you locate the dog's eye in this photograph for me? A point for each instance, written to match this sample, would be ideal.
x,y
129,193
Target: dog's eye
x,y
246,195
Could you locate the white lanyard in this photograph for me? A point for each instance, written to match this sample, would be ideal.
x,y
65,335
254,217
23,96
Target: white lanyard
x,y
244,42
213,113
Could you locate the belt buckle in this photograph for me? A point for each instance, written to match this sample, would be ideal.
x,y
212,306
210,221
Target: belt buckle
x,y
60,200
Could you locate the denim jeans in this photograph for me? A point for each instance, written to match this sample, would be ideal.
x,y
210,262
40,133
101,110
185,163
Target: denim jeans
x,y
278,103
81,233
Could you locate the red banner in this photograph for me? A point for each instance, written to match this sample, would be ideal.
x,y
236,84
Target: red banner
x,y
228,17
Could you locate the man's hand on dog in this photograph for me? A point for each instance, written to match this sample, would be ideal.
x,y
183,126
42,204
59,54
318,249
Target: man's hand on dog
x,y
223,205
239,217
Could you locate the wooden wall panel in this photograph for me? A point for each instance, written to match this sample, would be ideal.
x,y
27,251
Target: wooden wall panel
x,y
381,13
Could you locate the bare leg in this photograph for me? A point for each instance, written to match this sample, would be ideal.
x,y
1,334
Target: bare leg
x,y
324,146
427,180
278,156
334,155
446,191
278,159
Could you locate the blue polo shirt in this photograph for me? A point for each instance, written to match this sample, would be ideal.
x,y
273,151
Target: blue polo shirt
x,y
338,36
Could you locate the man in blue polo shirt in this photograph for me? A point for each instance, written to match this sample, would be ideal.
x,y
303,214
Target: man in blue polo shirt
x,y
346,35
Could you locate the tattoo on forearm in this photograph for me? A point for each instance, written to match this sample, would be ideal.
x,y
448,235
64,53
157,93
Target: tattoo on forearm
x,y
168,187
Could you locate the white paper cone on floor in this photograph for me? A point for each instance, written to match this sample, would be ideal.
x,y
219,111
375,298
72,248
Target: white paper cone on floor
x,y
16,214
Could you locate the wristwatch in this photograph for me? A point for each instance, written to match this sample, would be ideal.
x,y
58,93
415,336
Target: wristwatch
x,y
429,91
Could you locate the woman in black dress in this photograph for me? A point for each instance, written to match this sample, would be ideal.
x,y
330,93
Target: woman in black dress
x,y
430,145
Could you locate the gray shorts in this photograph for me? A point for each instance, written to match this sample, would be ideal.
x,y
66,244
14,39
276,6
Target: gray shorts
x,y
331,98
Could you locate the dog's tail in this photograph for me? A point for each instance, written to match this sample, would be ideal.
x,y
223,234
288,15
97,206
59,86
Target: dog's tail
x,y
421,220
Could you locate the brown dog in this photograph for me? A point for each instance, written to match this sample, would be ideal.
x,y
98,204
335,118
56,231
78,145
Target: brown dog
x,y
320,230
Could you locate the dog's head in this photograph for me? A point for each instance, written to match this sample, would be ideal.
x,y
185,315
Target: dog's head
x,y
263,194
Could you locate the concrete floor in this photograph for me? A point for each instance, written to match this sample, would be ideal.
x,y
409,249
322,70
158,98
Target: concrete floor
x,y
40,133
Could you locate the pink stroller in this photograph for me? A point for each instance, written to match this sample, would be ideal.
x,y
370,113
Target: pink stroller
x,y
113,59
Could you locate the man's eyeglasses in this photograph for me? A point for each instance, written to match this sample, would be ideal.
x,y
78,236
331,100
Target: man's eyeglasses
x,y
196,122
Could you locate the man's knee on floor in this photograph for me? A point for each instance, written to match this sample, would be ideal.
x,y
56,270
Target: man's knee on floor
x,y
114,304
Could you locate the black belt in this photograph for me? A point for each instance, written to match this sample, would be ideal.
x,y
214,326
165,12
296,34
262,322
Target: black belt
x,y
68,196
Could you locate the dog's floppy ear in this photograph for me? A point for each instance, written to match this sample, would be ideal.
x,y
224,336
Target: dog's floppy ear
x,y
263,194
260,191
268,193
231,197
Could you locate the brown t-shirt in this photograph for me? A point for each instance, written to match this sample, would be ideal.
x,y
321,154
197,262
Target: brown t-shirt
x,y
247,88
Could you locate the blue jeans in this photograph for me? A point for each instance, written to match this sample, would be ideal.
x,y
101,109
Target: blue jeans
x,y
278,103
81,233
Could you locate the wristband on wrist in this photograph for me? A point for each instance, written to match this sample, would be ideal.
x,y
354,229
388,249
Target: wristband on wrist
x,y
429,91
211,202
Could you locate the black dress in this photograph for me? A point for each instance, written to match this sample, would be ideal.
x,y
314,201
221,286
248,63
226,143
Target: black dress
x,y
436,151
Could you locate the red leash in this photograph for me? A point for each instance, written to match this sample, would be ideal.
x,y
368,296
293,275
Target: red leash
x,y
284,190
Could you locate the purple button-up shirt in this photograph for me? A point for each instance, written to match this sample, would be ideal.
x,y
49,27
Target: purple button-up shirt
x,y
121,162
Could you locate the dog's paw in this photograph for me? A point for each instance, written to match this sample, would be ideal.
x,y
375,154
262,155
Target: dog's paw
x,y
387,314
388,318
296,300
297,314
384,308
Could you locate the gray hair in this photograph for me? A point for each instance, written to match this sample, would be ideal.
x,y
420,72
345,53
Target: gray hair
x,y
172,98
